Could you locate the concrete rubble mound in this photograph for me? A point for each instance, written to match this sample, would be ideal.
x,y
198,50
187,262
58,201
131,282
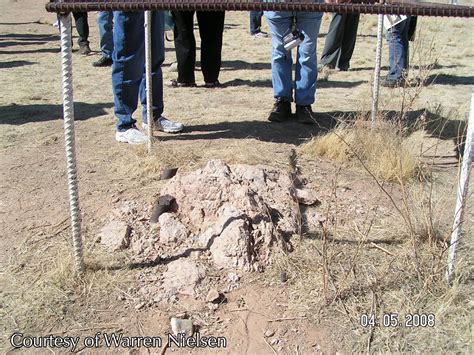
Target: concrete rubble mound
x,y
224,219
237,212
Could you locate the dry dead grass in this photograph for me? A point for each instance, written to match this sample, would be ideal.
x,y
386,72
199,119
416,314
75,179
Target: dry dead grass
x,y
380,267
56,300
384,152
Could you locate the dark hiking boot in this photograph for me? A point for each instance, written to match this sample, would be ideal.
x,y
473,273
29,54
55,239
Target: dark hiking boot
x,y
305,115
281,111
103,62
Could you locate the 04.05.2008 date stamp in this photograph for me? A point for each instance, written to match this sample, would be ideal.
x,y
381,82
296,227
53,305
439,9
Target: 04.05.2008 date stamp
x,y
409,320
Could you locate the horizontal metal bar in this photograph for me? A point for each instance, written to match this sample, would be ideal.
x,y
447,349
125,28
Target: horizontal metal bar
x,y
393,8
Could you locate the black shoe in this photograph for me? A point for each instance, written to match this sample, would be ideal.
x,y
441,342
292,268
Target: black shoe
x,y
103,62
305,115
213,85
389,83
281,111
178,84
84,49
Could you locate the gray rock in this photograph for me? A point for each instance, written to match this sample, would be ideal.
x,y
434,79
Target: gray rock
x,y
306,197
233,277
269,333
183,276
171,229
182,326
115,235
213,295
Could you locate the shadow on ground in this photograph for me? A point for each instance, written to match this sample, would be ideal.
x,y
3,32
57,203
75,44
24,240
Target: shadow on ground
x,y
41,50
243,65
22,114
289,132
292,132
267,83
447,79
30,37
15,63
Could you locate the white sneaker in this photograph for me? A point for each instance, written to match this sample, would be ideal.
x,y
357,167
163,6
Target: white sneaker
x,y
132,136
260,34
165,125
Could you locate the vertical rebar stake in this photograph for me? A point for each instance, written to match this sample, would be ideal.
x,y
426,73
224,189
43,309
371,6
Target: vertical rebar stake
x,y
68,111
463,186
378,59
149,88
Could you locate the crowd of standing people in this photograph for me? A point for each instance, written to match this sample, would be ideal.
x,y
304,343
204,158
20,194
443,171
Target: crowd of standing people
x,y
122,47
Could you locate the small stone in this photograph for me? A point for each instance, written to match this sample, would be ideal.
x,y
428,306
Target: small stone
x,y
115,235
306,197
212,306
183,275
213,295
182,326
269,333
171,229
121,297
233,277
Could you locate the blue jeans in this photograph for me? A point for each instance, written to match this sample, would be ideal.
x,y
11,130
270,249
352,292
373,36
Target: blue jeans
x,y
255,21
306,62
128,68
105,24
397,38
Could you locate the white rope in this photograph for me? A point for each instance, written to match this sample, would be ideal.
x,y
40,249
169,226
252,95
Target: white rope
x,y
378,59
149,88
68,111
462,191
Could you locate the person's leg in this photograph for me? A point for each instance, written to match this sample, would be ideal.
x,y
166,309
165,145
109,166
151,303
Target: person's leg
x,y
185,45
105,24
397,38
255,22
82,27
211,29
128,65
332,45
306,65
281,58
348,41
406,42
157,58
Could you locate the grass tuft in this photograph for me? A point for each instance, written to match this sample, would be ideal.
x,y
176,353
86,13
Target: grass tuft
x,y
386,153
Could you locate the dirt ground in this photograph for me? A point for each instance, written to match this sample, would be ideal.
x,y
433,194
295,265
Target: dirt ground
x,y
38,293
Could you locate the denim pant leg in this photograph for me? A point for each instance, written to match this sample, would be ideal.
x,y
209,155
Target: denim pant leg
x,y
397,38
306,60
128,65
105,24
255,21
157,59
281,58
